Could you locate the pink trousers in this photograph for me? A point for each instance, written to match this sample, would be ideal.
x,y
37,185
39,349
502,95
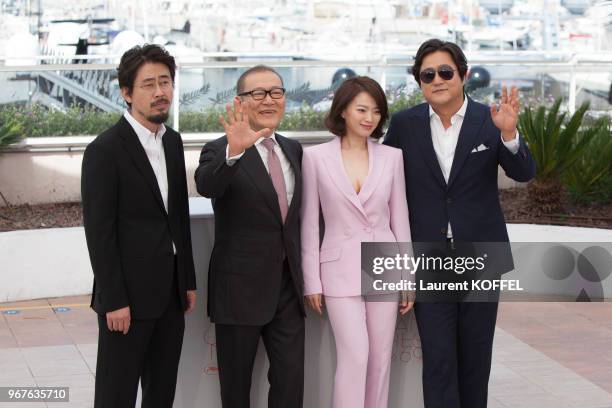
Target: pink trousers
x,y
364,334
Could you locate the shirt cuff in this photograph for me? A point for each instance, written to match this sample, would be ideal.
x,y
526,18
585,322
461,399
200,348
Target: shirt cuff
x,y
231,160
512,145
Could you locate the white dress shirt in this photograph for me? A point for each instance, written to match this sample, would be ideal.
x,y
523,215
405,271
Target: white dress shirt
x,y
445,141
154,148
288,174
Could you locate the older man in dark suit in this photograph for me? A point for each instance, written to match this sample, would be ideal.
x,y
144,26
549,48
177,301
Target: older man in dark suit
x,y
255,279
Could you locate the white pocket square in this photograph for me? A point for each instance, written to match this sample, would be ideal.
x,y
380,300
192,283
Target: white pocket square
x,y
479,148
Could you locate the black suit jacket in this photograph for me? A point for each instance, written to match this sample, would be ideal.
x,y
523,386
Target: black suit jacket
x,y
129,234
470,200
251,242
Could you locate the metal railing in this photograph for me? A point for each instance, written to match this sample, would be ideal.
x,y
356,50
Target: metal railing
x,y
572,64
190,140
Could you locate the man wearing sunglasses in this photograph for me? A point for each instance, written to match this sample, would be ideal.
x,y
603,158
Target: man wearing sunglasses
x,y
452,149
255,278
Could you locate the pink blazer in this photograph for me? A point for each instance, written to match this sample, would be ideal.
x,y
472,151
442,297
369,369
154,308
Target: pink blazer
x,y
379,213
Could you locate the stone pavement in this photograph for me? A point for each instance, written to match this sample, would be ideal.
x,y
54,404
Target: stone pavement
x,y
546,354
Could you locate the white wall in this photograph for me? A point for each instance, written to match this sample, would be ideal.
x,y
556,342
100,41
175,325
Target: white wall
x,y
44,263
54,262
55,177
31,176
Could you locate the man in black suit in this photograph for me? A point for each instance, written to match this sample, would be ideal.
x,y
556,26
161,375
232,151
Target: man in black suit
x,y
136,215
452,148
255,279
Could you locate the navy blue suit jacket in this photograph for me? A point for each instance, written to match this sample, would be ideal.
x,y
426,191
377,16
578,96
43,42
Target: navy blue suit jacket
x,y
470,200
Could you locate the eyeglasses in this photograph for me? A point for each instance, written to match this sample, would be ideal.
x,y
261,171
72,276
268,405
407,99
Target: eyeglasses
x,y
164,85
446,72
260,94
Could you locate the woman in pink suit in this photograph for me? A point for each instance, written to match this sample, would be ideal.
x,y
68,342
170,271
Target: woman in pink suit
x,y
358,184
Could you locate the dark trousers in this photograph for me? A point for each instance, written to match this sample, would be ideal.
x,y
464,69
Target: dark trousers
x,y
457,345
149,352
283,339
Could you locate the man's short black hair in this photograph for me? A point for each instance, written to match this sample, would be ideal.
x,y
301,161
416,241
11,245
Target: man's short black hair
x,y
433,45
135,57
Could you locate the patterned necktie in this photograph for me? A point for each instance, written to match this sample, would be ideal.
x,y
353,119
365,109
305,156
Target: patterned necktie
x,y
276,174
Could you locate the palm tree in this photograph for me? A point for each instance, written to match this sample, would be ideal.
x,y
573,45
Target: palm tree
x,y
556,144
590,179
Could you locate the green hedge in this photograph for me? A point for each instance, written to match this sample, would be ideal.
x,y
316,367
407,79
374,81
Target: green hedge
x,y
38,121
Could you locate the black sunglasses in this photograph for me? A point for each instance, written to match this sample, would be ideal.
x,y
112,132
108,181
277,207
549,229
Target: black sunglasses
x,y
446,72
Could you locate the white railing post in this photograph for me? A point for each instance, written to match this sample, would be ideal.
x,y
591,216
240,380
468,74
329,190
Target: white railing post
x,y
571,103
177,98
383,75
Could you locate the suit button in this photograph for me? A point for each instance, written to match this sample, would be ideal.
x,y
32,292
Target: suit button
x,y
347,232
443,231
448,201
367,229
